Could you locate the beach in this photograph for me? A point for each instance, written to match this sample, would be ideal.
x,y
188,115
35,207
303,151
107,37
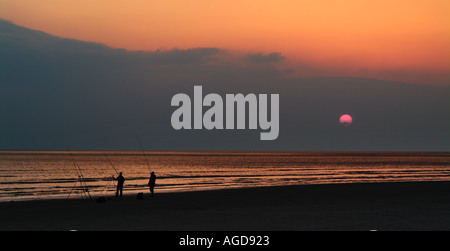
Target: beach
x,y
406,206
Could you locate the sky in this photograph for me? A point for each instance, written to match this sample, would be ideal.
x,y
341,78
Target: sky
x,y
92,75
402,40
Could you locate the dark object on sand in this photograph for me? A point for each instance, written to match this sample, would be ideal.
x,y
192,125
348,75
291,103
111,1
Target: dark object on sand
x,y
140,196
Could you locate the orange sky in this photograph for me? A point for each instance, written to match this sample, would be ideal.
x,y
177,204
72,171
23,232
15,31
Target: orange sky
x,y
382,35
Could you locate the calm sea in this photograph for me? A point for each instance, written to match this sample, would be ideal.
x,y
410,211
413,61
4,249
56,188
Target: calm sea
x,y
26,175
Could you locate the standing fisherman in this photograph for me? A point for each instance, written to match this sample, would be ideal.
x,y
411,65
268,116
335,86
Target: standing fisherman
x,y
151,182
120,180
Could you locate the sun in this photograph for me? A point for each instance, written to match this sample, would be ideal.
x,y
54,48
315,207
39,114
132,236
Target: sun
x,y
345,120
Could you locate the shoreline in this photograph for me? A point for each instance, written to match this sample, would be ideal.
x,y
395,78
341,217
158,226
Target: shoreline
x,y
351,206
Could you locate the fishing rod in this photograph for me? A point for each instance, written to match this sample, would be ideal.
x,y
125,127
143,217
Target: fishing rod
x,y
145,156
115,170
78,174
80,178
112,165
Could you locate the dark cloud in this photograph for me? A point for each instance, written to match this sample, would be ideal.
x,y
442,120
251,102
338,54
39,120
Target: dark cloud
x,y
265,58
60,93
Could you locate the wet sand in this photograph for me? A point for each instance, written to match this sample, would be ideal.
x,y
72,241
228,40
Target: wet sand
x,y
374,206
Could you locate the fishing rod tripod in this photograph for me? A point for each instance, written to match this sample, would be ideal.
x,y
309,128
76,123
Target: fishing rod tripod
x,y
106,189
81,182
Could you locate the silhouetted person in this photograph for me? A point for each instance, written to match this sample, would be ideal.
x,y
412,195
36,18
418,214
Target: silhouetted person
x,y
120,180
151,182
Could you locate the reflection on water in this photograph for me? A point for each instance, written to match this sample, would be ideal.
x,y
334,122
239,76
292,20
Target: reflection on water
x,y
44,174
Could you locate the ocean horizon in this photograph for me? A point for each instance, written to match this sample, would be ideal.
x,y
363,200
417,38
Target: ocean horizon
x,y
35,175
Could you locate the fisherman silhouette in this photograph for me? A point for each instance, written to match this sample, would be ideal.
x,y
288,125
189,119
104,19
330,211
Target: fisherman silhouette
x,y
120,180
151,183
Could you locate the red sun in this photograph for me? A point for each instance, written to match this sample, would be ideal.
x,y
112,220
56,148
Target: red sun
x,y
346,120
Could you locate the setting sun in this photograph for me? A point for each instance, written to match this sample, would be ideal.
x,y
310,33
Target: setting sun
x,y
346,120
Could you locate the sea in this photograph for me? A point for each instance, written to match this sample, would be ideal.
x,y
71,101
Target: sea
x,y
37,175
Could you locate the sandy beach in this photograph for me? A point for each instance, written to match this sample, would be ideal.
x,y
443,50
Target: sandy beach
x,y
361,207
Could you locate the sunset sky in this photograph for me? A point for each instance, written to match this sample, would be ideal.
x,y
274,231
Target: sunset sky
x,y
402,40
